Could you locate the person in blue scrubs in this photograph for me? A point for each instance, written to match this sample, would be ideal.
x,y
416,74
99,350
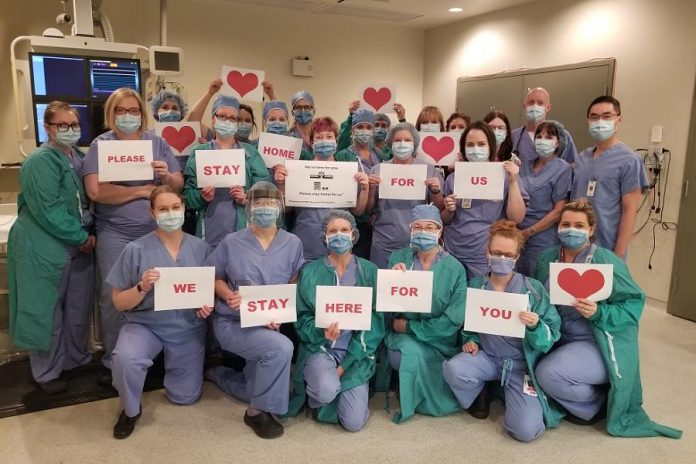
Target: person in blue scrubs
x,y
392,223
382,125
146,332
610,176
548,180
261,254
486,357
122,208
221,210
500,125
468,220
275,119
303,111
537,105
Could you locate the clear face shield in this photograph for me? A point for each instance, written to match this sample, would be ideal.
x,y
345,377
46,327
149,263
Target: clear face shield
x,y
265,206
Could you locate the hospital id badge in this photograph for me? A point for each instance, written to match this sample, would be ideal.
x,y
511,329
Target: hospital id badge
x,y
466,203
591,187
528,386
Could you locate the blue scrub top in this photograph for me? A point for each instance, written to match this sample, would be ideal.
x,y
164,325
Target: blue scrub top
x,y
524,146
147,252
295,132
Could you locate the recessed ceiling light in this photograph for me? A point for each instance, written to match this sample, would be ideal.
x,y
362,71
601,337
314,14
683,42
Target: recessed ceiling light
x,y
456,10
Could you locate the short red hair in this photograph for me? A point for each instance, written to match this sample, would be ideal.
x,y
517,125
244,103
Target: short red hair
x,y
324,124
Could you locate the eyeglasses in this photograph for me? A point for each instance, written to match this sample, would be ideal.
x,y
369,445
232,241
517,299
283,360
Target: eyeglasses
x,y
120,111
225,118
500,254
428,228
264,202
63,127
605,116
303,108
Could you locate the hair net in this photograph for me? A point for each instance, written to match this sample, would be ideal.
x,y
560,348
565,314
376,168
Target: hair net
x,y
363,115
339,214
426,213
227,101
382,117
302,95
562,136
161,97
403,126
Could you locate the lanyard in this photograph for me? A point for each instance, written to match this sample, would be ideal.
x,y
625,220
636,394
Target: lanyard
x,y
588,259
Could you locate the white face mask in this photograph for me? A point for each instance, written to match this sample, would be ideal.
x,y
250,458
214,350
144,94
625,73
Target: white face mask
x,y
430,127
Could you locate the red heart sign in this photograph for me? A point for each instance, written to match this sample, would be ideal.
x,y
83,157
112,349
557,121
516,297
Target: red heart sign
x,y
581,286
242,83
437,149
377,98
179,139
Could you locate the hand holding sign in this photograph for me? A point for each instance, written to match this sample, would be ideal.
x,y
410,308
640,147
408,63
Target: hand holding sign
x,y
242,83
124,160
404,291
350,307
184,288
265,304
181,136
402,181
276,149
496,313
377,98
569,282
220,168
438,148
479,181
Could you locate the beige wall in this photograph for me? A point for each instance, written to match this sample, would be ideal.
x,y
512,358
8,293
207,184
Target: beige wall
x,y
654,44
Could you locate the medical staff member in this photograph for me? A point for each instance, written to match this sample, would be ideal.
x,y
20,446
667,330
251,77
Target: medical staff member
x,y
168,106
467,221
391,227
361,148
308,220
261,254
596,359
275,119
500,125
457,122
334,366
430,120
381,125
122,208
246,124
146,332
418,343
487,357
50,263
610,176
548,180
221,210
302,104
537,105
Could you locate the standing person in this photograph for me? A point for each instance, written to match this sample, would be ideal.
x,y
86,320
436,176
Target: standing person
x,y
302,104
500,125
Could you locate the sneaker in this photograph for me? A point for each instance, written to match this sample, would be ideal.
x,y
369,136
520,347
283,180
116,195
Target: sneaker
x,y
54,386
125,425
481,407
264,425
104,378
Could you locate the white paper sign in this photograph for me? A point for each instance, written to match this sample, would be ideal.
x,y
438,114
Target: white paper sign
x,y
221,168
321,184
403,181
276,149
124,160
351,307
568,281
262,304
181,136
184,288
243,84
438,148
379,98
404,291
495,313
479,181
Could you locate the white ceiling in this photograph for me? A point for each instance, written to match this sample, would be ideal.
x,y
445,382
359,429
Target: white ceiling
x,y
421,14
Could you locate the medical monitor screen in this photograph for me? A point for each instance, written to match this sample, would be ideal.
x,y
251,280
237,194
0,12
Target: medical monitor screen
x,y
109,74
60,76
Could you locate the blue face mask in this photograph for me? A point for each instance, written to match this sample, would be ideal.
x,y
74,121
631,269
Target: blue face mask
x,y
500,265
277,127
423,241
264,216
303,117
601,130
500,136
225,129
402,150
170,221
544,147
573,238
380,134
476,154
128,123
535,113
324,148
363,136
339,243
244,130
69,137
169,116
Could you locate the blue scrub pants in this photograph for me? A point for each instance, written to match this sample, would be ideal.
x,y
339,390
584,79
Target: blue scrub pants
x,y
137,346
265,381
71,320
466,375
324,385
573,375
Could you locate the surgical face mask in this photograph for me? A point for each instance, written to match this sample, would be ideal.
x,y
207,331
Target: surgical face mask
x,y
277,127
424,241
500,265
601,130
477,154
303,117
169,116
402,150
545,147
500,136
339,243
324,148
363,136
573,238
430,127
225,128
264,216
128,123
244,130
380,134
69,137
170,221
535,113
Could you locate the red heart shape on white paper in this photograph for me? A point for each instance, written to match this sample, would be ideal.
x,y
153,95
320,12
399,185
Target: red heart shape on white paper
x,y
437,149
581,286
242,83
377,98
179,138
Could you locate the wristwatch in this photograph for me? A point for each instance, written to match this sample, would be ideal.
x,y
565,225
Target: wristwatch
x,y
139,287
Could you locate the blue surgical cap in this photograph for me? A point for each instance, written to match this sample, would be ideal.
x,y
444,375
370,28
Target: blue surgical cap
x,y
339,214
227,101
382,117
274,105
161,97
407,127
426,213
363,115
302,95
562,136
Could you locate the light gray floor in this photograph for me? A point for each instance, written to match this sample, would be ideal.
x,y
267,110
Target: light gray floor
x,y
212,431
